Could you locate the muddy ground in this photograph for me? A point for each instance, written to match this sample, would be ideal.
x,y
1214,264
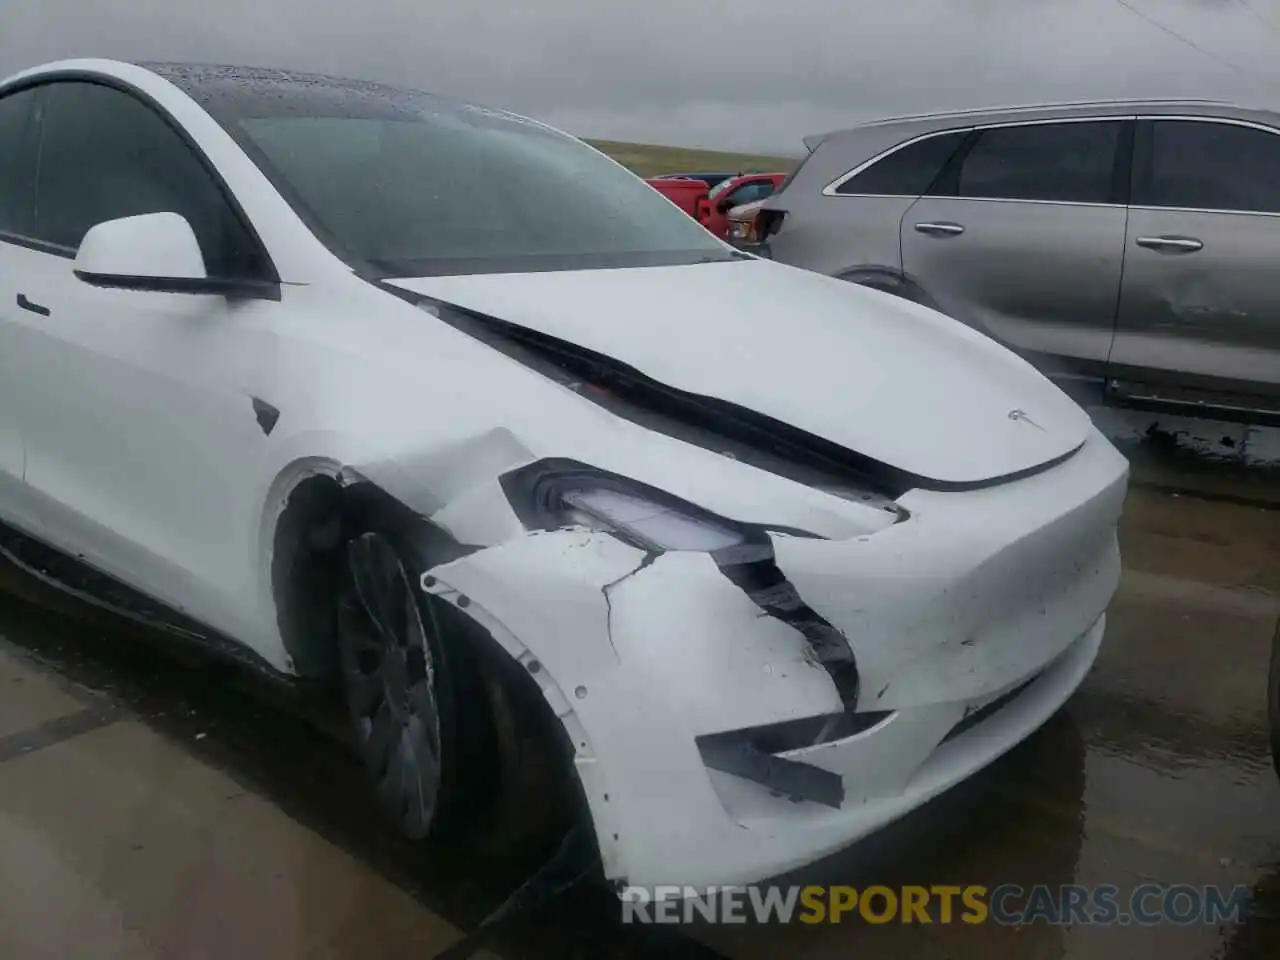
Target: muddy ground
x,y
151,807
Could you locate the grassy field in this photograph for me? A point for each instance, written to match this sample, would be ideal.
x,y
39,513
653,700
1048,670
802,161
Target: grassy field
x,y
648,160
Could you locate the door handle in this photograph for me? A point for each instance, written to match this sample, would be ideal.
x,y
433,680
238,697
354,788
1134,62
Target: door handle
x,y
35,308
940,229
1170,244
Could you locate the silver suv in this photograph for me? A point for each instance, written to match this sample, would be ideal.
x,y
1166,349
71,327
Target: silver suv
x,y
1130,249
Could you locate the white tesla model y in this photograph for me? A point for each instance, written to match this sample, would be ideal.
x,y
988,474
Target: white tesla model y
x,y
443,409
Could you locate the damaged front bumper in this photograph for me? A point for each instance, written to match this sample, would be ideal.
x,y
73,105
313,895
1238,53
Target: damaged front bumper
x,y
712,744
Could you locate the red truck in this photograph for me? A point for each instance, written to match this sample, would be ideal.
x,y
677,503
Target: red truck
x,y
713,210
688,195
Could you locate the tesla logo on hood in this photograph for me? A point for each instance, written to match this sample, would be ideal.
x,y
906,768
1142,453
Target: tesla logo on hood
x,y
1021,415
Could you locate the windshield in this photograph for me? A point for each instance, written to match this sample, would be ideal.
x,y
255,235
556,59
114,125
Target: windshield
x,y
464,190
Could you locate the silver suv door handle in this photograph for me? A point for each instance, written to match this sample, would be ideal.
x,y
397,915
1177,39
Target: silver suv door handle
x,y
940,229
1170,244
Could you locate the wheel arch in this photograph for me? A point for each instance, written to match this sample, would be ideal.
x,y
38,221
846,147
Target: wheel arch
x,y
909,287
316,505
890,280
541,699
313,506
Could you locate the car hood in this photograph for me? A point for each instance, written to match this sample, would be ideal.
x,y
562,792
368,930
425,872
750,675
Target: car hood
x,y
875,374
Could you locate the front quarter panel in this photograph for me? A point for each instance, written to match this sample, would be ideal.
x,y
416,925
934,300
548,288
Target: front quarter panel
x,y
978,594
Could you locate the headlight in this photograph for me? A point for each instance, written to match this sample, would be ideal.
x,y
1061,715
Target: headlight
x,y
648,523
552,494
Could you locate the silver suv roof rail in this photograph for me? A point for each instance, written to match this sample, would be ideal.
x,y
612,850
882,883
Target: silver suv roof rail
x,y
1026,107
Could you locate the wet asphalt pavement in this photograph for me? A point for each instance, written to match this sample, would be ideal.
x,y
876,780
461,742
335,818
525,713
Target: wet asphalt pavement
x,y
156,807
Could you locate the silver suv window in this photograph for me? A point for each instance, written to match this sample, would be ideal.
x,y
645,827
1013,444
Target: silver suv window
x,y
907,171
1203,165
1071,162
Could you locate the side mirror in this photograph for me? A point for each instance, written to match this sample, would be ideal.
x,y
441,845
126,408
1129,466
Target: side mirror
x,y
154,252
725,205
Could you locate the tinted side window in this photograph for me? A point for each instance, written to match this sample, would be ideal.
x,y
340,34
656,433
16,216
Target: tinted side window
x,y
908,171
104,154
1208,166
1070,162
17,164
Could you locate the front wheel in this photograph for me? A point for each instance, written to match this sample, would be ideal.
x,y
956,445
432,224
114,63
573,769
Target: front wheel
x,y
400,687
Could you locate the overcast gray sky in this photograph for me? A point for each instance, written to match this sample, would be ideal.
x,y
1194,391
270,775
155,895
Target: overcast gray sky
x,y
734,74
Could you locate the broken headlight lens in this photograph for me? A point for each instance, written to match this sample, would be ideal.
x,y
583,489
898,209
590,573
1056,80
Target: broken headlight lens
x,y
646,523
552,494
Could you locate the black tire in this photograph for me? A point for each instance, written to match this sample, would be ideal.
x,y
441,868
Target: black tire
x,y
402,682
1273,699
